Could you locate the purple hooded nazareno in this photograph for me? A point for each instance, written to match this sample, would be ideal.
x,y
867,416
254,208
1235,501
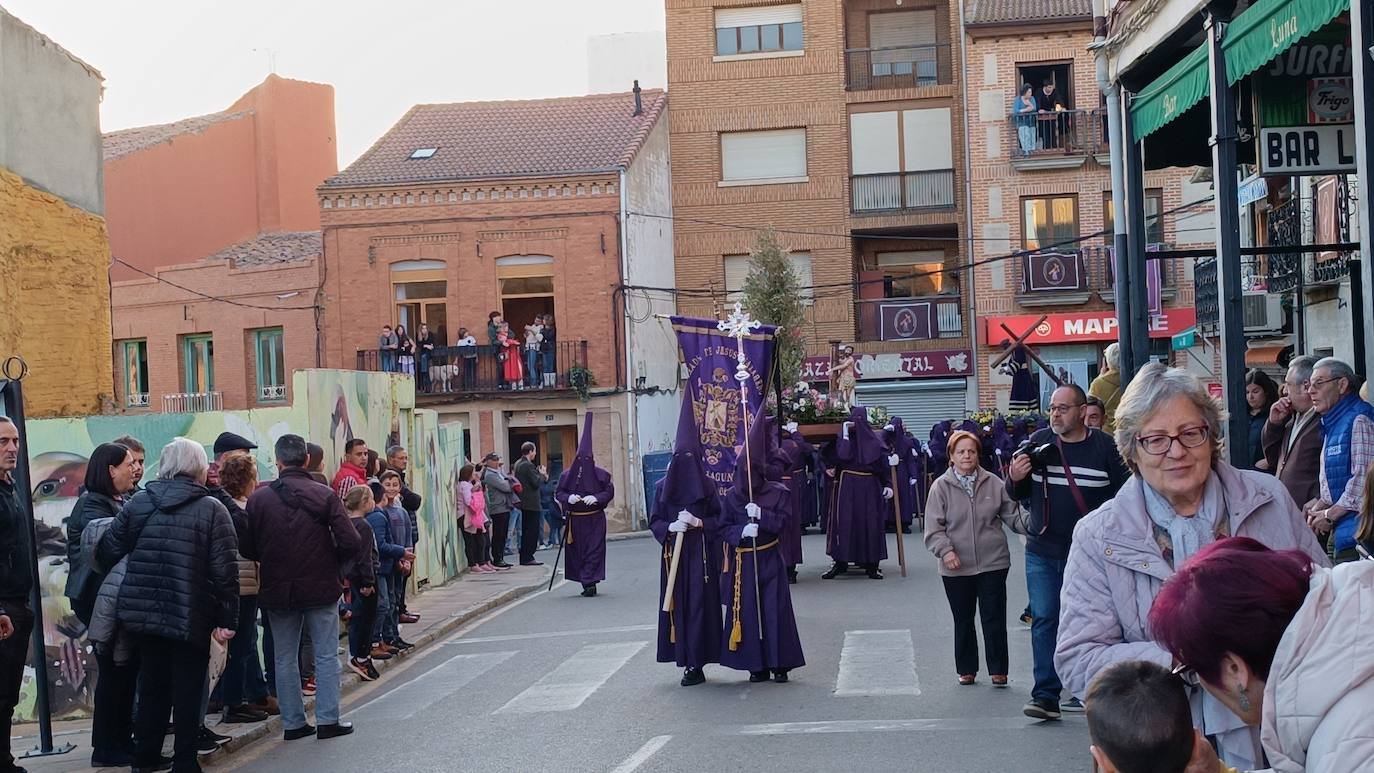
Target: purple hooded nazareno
x,y
586,544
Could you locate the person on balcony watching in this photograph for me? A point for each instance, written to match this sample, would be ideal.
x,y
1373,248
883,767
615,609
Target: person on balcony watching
x,y
1050,101
547,349
1024,108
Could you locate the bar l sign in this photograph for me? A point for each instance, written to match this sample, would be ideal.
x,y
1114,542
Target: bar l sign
x,y
1300,150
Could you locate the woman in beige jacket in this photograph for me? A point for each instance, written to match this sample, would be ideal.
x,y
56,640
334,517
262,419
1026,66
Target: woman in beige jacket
x,y
965,512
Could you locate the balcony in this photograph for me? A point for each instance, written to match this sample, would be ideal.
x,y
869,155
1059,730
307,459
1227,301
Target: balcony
x,y
910,319
1206,298
1283,272
136,400
1061,140
272,393
898,191
1070,277
193,402
479,370
897,67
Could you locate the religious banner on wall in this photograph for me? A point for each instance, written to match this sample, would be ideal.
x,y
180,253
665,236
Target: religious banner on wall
x,y
709,358
906,320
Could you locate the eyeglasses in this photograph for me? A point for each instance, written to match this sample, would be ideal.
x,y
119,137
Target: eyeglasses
x,y
1159,445
1186,673
1317,383
1064,408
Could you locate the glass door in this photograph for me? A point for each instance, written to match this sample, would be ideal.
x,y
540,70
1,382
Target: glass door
x,y
198,358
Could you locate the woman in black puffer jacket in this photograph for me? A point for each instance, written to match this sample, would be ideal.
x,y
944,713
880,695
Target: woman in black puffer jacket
x,y
181,587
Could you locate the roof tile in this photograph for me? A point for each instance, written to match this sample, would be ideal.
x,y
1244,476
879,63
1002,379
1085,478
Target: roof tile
x,y
272,249
1004,11
126,141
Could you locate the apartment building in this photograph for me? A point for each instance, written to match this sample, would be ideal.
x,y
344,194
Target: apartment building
x,y
840,125
1040,182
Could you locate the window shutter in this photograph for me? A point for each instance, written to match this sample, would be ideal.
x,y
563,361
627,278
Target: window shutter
x,y
801,265
873,143
756,15
763,155
736,271
910,258
927,139
901,28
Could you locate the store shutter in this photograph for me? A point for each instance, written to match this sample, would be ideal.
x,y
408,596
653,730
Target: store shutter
x,y
920,403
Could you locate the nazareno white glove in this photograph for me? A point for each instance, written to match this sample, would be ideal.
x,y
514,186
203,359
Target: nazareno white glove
x,y
685,517
915,452
750,531
677,526
753,511
893,460
888,428
574,499
790,426
887,492
844,429
589,500
911,481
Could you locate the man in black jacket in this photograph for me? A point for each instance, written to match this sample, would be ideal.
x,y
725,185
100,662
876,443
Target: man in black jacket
x,y
398,459
16,583
531,477
300,534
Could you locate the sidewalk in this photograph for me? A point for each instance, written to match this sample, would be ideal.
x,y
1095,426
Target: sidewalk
x,y
442,610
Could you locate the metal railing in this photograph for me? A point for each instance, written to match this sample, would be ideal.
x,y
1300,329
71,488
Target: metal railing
x,y
1062,133
902,190
1099,260
946,318
1205,296
271,393
1283,271
137,400
193,402
452,370
897,67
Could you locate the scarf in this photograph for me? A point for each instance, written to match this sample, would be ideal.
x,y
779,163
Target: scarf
x,y
966,481
1187,535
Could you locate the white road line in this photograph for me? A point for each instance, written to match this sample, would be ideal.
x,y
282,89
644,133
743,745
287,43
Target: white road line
x,y
891,725
574,680
554,634
439,682
642,756
877,663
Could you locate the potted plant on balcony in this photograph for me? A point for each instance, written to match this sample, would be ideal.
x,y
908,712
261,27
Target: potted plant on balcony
x,y
581,380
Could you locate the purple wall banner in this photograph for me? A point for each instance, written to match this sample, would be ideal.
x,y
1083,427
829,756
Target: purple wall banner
x,y
710,359
905,321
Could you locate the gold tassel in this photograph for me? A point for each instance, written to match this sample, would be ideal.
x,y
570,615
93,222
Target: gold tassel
x,y
737,630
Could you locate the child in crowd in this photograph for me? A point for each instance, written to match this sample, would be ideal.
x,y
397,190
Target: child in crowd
x,y
512,368
1140,722
399,521
472,505
390,551
362,585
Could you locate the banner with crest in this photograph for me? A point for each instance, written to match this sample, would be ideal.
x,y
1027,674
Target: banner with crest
x,y
710,357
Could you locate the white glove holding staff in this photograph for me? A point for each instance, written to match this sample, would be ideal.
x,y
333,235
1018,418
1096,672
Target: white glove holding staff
x,y
753,510
589,500
750,531
574,499
691,520
887,492
677,526
893,460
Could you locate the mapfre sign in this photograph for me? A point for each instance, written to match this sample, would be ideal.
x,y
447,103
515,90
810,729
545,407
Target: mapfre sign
x,y
1302,150
1079,328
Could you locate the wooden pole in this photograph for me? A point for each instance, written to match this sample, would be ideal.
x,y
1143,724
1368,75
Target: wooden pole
x,y
668,591
897,517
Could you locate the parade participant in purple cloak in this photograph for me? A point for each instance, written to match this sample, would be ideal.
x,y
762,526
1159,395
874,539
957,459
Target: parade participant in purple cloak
x,y
584,491
860,504
939,440
902,445
753,515
1002,444
685,502
797,457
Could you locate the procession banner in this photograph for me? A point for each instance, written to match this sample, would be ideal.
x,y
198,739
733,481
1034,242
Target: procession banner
x,y
709,357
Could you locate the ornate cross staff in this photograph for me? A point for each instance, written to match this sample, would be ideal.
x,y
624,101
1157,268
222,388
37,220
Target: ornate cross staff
x,y
738,325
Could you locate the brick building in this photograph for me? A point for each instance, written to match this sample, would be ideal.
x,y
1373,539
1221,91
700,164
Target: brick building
x,y
1041,181
54,253
838,123
518,208
214,228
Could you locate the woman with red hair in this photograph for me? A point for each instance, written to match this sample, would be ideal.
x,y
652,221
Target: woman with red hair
x,y
1284,643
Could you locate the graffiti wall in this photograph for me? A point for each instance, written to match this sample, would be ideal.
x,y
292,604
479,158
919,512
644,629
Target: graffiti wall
x,y
332,407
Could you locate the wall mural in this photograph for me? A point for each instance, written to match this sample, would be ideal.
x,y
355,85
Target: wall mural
x,y
331,408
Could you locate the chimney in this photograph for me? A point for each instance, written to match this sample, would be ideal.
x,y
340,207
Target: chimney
x,y
639,103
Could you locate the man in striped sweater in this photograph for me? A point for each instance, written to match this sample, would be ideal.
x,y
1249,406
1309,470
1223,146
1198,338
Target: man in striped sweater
x,y
353,470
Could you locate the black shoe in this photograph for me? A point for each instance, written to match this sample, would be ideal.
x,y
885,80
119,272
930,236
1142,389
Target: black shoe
x,y
335,730
501,564
589,590
873,573
1041,709
304,731
114,759
531,563
906,528
791,575
835,570
780,675
164,763
207,741
758,676
692,676
243,714
401,644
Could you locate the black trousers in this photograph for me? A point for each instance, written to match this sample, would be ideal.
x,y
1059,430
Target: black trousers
x,y
476,548
112,726
986,594
529,534
14,655
500,531
171,677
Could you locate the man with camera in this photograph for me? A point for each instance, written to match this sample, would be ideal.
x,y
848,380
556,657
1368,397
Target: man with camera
x,y
1066,472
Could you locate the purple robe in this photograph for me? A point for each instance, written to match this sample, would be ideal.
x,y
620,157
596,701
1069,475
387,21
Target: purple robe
x,y
585,548
798,454
857,508
780,645
690,635
902,445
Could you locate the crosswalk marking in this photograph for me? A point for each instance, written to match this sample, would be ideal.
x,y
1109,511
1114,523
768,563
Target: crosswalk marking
x,y
649,749
439,683
554,634
877,663
574,680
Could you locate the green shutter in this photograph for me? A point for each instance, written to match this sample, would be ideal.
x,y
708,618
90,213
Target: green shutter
x,y
1179,88
1267,29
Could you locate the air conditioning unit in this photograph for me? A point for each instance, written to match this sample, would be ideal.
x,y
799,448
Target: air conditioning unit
x,y
1263,313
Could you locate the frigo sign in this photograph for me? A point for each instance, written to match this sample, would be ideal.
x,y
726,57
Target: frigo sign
x,y
1305,150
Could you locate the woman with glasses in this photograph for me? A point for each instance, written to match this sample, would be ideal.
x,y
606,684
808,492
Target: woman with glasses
x,y
1182,497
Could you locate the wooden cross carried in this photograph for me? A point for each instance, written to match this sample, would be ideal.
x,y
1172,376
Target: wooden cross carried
x,y
1020,340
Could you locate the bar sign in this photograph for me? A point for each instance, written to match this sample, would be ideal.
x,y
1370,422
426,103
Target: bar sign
x,y
1303,150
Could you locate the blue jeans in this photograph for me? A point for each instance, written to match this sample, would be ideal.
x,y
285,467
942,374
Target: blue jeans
x,y
1044,578
323,624
243,680
531,367
384,630
549,365
388,361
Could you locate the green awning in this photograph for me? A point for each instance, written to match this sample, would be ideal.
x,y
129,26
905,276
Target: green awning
x,y
1179,88
1267,28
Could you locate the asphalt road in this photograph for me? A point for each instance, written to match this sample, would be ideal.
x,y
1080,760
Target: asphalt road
x,y
562,683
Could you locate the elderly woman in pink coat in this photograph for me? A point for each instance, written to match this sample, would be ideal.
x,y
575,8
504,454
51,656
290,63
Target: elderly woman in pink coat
x,y
1182,496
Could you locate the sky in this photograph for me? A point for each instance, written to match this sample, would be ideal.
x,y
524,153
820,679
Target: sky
x,y
169,59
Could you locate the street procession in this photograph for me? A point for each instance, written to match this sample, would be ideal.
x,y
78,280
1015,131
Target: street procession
x,y
642,386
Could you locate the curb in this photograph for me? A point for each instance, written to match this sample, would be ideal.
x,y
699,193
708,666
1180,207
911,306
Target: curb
x,y
273,726
624,535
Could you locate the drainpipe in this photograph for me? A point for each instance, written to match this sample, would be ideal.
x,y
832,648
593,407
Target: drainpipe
x,y
633,433
1118,171
971,316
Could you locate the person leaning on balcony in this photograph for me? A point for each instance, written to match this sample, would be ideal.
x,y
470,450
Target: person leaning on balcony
x,y
1024,108
1049,100
386,348
547,349
1107,386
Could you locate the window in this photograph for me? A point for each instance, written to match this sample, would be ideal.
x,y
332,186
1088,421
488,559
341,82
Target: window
x,y
1049,221
424,152
737,271
1057,74
912,274
904,43
1154,220
901,141
135,373
198,364
527,288
767,29
420,288
270,355
765,156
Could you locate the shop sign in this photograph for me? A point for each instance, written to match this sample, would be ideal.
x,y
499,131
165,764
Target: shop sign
x,y
1084,326
1306,150
943,363
1253,189
1330,100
